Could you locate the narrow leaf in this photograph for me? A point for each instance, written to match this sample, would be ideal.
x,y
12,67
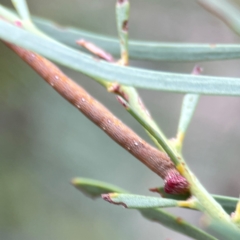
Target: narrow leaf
x,y
22,9
189,105
129,93
96,188
111,72
221,230
140,49
93,188
228,203
236,214
11,16
138,201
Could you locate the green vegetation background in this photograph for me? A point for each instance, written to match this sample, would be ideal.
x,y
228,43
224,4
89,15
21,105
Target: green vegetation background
x,y
45,142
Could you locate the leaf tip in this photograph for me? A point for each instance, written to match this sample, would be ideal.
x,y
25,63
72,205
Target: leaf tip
x,y
75,182
197,70
155,190
109,198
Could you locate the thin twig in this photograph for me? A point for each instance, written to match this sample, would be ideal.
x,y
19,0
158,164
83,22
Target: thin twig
x,y
210,206
95,50
157,161
128,93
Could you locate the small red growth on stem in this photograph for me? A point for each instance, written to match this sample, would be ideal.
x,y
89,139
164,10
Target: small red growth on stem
x,y
154,159
175,183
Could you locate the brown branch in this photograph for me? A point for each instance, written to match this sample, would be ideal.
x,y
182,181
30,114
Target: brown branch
x,y
157,161
95,50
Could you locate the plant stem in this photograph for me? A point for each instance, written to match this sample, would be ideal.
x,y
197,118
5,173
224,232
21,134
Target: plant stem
x,y
157,161
210,206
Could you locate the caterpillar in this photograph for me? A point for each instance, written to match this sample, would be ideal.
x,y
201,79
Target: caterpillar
x,y
159,162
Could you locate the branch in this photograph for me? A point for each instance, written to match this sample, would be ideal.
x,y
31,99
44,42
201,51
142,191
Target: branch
x,y
157,161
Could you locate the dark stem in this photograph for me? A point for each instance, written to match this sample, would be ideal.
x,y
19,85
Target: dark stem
x,y
157,161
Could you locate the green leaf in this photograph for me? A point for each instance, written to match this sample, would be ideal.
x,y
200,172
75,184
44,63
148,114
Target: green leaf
x,y
142,50
221,230
97,188
225,11
93,188
138,201
188,107
22,9
111,72
10,15
228,203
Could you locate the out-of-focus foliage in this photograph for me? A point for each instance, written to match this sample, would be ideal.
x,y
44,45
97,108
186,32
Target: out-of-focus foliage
x,y
45,142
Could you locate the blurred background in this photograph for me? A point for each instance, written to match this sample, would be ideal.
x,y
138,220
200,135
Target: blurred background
x,y
45,142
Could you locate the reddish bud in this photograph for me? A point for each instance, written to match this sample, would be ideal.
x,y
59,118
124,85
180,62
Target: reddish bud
x,y
175,184
18,23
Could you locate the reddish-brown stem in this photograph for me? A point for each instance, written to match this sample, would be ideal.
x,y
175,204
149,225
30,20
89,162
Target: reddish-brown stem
x,y
157,161
95,50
